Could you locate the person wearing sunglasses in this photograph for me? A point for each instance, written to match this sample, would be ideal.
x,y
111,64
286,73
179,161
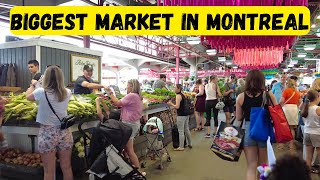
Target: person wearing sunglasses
x,y
84,84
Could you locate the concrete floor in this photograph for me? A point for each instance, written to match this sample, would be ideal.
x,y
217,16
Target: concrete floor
x,y
200,163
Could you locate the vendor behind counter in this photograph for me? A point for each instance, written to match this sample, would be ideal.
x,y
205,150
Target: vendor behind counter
x,y
84,84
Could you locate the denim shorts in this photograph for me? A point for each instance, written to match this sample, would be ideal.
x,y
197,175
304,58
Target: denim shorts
x,y
250,142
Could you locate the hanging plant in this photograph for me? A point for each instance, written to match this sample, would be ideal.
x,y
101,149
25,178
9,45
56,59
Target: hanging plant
x,y
192,78
186,78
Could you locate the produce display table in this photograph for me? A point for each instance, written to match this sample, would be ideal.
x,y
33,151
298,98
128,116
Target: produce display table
x,y
19,136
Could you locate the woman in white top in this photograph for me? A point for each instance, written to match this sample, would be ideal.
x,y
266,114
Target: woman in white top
x,y
212,92
51,138
311,118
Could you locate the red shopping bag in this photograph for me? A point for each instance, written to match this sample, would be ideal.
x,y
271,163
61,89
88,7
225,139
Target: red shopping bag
x,y
280,123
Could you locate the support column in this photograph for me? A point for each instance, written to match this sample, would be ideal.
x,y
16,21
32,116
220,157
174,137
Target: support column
x,y
86,41
193,71
177,64
317,66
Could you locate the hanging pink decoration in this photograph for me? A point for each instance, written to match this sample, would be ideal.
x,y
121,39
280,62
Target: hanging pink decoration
x,y
258,58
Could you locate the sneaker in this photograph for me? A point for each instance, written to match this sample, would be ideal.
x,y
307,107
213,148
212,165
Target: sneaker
x,y
179,149
207,136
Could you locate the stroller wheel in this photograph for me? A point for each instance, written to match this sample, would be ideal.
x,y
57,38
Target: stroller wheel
x,y
169,159
143,165
160,167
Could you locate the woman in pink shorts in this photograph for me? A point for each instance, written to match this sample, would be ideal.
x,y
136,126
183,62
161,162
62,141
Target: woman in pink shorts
x,y
51,138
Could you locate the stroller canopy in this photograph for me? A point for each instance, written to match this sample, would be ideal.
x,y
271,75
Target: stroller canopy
x,y
111,132
155,122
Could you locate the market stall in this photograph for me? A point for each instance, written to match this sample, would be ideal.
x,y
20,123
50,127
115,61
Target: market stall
x,y
21,129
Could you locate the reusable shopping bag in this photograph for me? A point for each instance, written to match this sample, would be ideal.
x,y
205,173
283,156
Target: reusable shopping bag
x,y
260,123
228,142
280,123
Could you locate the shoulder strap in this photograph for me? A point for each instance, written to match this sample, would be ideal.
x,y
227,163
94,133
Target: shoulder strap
x,y
290,97
264,99
54,112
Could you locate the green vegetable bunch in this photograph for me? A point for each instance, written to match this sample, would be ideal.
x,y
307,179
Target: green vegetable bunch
x,y
164,92
20,108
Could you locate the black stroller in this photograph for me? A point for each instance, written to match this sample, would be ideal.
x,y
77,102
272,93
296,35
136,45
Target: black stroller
x,y
104,156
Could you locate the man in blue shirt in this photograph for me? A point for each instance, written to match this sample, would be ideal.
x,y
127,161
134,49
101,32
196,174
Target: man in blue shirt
x,y
279,87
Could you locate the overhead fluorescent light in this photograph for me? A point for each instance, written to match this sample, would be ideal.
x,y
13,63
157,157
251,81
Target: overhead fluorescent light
x,y
228,63
313,26
311,59
221,59
211,51
194,40
302,55
309,47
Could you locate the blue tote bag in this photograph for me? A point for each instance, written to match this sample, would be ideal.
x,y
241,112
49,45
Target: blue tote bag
x,y
260,123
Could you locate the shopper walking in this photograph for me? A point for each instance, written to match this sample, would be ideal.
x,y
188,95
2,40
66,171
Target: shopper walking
x,y
131,113
290,101
212,94
200,105
182,118
311,117
230,88
279,87
51,138
241,86
255,152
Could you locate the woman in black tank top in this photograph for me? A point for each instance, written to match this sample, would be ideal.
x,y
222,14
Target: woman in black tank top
x,y
256,152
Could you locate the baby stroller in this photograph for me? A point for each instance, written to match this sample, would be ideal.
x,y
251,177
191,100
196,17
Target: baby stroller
x,y
153,131
104,157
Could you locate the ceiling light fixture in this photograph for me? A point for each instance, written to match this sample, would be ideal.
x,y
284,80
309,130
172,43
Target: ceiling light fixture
x,y
302,55
221,59
309,47
228,63
310,59
211,51
193,40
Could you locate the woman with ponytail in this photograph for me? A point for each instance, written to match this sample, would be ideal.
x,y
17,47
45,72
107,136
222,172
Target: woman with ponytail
x,y
311,117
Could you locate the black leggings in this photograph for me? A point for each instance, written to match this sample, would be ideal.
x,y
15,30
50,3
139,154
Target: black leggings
x,y
211,104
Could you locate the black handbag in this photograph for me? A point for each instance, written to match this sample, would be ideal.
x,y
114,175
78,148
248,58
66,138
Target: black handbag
x,y
67,121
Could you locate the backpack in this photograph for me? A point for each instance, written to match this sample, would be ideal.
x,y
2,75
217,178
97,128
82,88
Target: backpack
x,y
188,105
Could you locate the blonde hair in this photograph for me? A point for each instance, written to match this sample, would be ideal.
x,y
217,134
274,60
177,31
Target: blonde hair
x,y
291,84
241,82
135,86
53,80
316,84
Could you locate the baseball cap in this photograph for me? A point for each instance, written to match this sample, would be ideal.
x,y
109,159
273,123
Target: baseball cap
x,y
87,68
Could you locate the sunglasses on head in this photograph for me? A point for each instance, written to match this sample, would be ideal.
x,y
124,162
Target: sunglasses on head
x,y
54,65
